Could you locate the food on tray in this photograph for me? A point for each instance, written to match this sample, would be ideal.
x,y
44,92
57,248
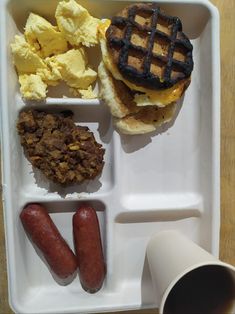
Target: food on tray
x,y
64,152
76,24
147,47
44,234
54,53
26,60
85,93
73,68
32,86
147,51
88,248
130,118
43,37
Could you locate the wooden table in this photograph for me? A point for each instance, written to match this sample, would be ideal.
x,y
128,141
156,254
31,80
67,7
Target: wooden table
x,y
227,235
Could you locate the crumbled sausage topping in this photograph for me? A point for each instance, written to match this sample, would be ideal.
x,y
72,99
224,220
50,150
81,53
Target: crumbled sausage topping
x,y
64,152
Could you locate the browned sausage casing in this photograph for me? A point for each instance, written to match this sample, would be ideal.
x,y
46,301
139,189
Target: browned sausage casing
x,y
43,232
88,249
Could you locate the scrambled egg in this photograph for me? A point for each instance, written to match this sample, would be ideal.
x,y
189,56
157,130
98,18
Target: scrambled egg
x,y
25,60
161,98
84,93
43,57
32,86
51,75
45,38
73,68
77,25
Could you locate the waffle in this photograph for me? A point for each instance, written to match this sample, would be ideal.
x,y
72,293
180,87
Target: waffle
x,y
128,117
117,96
149,47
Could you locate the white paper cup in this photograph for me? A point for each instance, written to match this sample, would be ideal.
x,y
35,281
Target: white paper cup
x,y
187,278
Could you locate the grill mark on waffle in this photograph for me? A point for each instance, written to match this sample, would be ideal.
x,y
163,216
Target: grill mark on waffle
x,y
174,40
123,58
168,70
148,58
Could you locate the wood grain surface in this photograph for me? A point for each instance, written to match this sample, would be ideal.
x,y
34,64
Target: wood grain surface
x,y
227,235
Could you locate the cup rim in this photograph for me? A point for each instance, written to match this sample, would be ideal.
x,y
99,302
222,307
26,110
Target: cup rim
x,y
186,271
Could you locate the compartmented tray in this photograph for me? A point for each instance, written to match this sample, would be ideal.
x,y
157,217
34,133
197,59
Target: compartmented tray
x,y
165,180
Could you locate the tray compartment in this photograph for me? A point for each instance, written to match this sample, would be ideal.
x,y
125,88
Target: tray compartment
x,y
130,240
35,275
17,16
34,183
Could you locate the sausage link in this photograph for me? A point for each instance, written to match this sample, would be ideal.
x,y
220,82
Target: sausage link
x,y
88,248
44,234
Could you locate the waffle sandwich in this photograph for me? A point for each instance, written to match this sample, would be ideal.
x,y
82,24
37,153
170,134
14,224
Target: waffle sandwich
x,y
147,57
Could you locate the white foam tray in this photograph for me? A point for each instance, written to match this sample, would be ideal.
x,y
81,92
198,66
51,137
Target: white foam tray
x,y
149,182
